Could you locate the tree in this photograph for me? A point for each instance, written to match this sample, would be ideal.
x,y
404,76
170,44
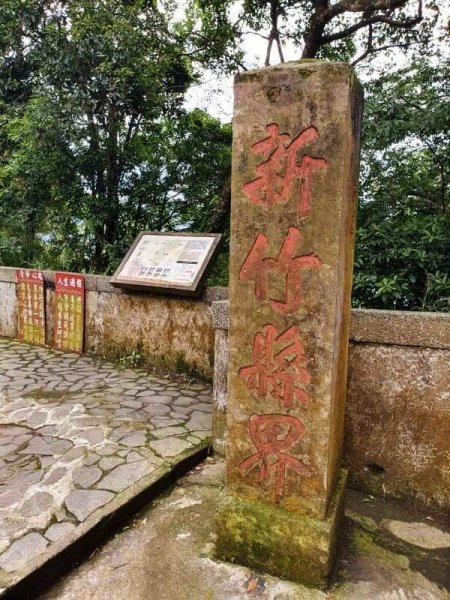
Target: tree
x,y
349,30
94,130
95,144
402,257
344,30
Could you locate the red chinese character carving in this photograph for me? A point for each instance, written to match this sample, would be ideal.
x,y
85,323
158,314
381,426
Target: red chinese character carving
x,y
278,173
273,436
281,373
256,268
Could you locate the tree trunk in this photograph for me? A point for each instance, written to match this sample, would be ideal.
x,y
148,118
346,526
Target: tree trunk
x,y
313,39
112,178
221,214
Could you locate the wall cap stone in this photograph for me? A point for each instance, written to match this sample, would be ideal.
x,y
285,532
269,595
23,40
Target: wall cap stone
x,y
391,327
220,314
310,64
100,283
8,274
402,328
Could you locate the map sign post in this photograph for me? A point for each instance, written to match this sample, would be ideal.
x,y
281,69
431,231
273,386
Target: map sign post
x,y
168,262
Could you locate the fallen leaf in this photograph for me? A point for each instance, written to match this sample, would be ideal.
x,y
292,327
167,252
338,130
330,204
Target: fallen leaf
x,y
252,584
368,499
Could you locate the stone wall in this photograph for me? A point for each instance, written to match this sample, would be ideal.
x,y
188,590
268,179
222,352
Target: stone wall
x,y
398,402
172,333
397,422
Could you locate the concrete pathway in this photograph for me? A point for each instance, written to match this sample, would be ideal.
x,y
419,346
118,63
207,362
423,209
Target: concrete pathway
x,y
166,553
79,438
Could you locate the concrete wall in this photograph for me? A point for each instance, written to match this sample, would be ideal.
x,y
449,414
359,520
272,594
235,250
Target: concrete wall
x,y
397,423
167,332
7,308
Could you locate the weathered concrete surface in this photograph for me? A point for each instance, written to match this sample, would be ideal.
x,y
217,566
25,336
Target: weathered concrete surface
x,y
320,101
384,327
220,321
8,300
220,392
171,333
397,441
79,438
395,391
401,328
280,542
165,554
220,311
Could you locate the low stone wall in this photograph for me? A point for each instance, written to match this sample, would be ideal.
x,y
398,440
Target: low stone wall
x,y
397,441
398,403
172,333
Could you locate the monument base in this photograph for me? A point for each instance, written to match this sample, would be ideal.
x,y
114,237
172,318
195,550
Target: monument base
x,y
279,542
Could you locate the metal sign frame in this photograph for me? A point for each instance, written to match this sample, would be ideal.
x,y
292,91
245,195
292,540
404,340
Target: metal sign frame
x,y
193,289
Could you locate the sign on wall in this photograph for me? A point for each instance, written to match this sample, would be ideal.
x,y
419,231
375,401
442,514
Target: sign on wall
x,y
31,306
69,312
169,262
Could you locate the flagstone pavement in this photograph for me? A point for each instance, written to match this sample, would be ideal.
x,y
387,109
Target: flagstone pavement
x,y
79,437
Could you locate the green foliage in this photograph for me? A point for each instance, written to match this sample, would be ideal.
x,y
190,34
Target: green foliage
x,y
404,263
342,31
402,253
134,359
219,272
94,142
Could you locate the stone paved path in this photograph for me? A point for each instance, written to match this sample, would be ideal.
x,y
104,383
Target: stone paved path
x,y
79,437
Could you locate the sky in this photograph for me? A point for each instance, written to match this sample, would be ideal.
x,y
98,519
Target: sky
x,y
215,93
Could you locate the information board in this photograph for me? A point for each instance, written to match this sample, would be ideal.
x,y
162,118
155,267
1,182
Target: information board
x,y
69,312
171,262
31,306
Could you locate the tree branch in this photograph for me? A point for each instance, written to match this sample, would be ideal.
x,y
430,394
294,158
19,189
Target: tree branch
x,y
387,47
408,24
280,49
368,50
362,5
274,33
269,50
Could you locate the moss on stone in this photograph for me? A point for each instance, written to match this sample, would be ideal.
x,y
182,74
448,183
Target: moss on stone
x,y
157,364
303,61
183,366
45,394
363,521
273,540
364,543
295,546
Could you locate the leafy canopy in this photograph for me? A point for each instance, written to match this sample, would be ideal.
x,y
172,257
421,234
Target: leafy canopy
x,y
95,143
402,255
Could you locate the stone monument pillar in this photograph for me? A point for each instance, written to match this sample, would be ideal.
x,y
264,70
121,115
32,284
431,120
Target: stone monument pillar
x,y
296,133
